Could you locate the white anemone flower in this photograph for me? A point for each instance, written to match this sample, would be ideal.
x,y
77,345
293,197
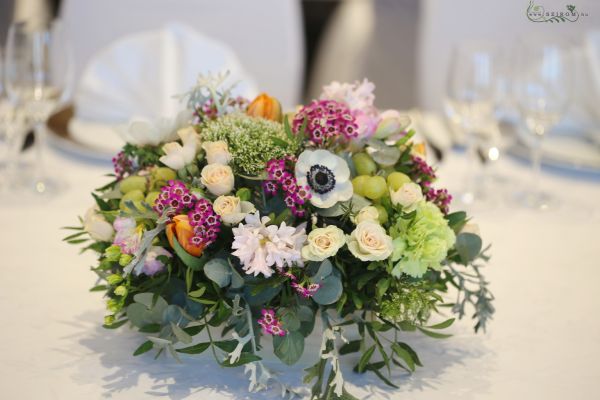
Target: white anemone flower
x,y
327,176
260,247
143,132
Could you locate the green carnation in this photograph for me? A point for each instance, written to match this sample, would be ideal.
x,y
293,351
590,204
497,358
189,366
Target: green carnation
x,y
422,242
251,141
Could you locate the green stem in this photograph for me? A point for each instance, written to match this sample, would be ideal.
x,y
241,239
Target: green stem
x,y
251,328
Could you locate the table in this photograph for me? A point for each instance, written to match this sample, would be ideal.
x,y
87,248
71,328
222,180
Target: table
x,y
544,341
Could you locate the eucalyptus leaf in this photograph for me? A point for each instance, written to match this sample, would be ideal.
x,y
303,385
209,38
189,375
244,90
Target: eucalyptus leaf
x,y
290,319
139,315
323,272
333,211
386,157
289,348
218,271
330,290
468,246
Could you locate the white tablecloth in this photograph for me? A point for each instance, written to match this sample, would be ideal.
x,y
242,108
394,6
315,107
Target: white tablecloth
x,y
544,342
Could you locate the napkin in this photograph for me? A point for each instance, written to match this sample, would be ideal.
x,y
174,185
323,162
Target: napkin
x,y
137,77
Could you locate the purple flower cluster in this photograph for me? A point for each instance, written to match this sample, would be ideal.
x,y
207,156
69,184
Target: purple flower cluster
x,y
300,288
205,222
175,197
439,197
205,111
209,111
270,324
123,165
423,174
280,177
421,171
326,119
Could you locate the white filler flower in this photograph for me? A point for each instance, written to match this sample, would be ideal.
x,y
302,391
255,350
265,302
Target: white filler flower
x,y
327,176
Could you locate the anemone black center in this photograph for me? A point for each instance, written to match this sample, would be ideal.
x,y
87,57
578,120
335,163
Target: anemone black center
x,y
320,179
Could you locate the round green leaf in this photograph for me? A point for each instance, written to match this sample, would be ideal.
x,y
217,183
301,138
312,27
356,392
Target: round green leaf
x,y
468,246
218,271
330,290
289,348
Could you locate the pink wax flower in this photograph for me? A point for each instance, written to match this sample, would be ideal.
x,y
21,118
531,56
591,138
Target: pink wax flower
x,y
270,324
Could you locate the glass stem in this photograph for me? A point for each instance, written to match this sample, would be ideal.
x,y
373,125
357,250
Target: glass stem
x,y
536,164
469,188
14,136
40,153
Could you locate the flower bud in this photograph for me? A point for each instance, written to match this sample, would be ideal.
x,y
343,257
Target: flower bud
x,y
244,194
265,106
125,259
113,305
112,253
109,319
121,291
114,279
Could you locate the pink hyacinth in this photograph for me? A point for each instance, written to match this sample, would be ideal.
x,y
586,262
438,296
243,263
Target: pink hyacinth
x,y
326,119
270,324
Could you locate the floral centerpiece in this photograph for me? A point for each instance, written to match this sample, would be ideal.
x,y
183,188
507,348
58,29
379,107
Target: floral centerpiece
x,y
235,221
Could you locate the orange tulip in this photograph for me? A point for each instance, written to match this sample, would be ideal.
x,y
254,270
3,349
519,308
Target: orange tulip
x,y
265,106
419,149
181,229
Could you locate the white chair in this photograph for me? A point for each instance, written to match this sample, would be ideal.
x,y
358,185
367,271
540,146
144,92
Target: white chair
x,y
266,35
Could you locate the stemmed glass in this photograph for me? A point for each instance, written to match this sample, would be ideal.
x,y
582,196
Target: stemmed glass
x,y
542,89
471,89
12,129
38,80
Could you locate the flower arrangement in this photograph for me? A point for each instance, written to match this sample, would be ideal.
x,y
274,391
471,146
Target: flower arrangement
x,y
258,223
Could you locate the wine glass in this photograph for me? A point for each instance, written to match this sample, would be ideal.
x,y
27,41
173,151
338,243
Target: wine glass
x,y
38,81
542,89
12,129
471,89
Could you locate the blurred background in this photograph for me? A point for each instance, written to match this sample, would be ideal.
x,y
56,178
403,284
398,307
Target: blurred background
x,y
494,77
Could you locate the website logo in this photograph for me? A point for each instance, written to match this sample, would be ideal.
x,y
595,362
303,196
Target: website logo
x,y
537,13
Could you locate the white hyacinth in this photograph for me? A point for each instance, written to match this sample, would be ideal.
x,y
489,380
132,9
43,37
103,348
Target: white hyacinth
x,y
260,247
